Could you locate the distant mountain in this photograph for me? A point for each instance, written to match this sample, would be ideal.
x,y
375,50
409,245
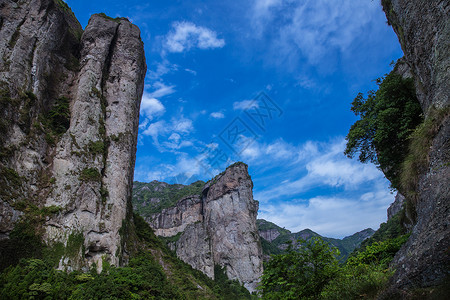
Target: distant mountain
x,y
274,238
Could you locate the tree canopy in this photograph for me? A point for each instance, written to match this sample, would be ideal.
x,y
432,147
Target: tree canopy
x,y
387,118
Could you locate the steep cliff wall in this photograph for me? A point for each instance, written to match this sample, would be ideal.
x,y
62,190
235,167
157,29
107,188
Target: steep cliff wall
x,y
70,107
217,227
423,28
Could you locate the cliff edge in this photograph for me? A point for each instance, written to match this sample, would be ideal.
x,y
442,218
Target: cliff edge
x,y
423,29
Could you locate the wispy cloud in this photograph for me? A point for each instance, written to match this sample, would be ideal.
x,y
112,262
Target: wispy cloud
x,y
313,165
355,195
162,90
330,216
244,104
151,107
217,115
312,29
187,35
174,133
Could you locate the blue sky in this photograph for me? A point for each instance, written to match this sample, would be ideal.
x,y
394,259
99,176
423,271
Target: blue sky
x,y
269,83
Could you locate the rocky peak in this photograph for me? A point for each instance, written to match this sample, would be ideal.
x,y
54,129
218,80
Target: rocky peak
x,y
70,109
217,226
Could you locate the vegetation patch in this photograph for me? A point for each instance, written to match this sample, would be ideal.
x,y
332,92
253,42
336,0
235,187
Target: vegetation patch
x,y
103,15
417,159
10,185
97,147
75,243
90,174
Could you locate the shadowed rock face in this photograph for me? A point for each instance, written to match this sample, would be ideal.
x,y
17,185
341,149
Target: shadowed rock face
x,y
86,171
217,228
423,28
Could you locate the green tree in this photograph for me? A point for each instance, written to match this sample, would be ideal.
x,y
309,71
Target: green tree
x,y
300,273
387,118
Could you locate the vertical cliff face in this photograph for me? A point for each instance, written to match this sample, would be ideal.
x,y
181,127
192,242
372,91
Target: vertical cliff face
x,y
217,227
70,110
423,28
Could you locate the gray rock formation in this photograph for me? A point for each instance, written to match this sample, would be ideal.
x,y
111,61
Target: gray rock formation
x,y
71,100
269,234
217,227
423,29
396,206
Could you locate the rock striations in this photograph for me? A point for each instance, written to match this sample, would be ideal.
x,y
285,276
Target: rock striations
x,y
423,29
216,227
69,119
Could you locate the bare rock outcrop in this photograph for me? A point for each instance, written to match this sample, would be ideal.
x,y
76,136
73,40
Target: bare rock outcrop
x,y
217,227
70,101
396,206
423,29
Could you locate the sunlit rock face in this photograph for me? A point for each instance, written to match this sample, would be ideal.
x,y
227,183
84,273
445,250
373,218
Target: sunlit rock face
x,y
217,227
423,29
83,171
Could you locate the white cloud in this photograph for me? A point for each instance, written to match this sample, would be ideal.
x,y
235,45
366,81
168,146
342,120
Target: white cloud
x,y
330,216
313,165
162,90
313,28
191,71
217,115
176,132
245,104
187,35
150,107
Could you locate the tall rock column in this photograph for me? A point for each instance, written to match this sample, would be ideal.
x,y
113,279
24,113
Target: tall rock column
x,y
217,227
94,160
230,219
69,113
423,29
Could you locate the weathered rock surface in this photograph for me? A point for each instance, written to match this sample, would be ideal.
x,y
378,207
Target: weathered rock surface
x,y
269,234
85,171
423,28
217,228
396,206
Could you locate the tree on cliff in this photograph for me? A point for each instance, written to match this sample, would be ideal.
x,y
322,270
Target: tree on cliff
x,y
387,118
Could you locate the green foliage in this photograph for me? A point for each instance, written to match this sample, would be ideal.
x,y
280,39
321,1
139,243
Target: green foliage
x,y
103,15
24,242
97,147
365,274
58,118
357,282
36,279
167,196
378,253
90,174
231,288
417,159
74,244
302,273
387,118
392,229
